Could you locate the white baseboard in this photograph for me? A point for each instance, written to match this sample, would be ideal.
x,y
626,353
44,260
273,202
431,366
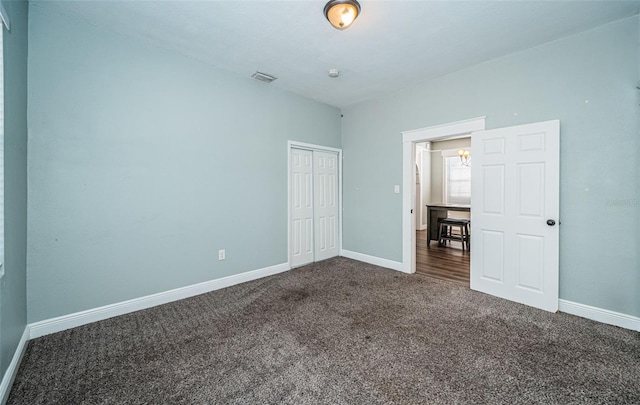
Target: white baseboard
x,y
600,315
64,322
12,370
389,264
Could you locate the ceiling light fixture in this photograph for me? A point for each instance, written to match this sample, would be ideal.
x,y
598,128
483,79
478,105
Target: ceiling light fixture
x,y
342,13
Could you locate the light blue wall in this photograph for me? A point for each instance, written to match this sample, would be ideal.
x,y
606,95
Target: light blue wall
x,y
588,81
13,315
143,163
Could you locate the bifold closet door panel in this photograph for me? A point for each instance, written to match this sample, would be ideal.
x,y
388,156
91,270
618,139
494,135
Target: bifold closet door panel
x,y
302,232
326,206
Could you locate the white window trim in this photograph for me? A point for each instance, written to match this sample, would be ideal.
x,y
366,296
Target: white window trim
x,y
453,152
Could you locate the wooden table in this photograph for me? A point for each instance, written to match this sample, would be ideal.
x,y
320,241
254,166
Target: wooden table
x,y
439,210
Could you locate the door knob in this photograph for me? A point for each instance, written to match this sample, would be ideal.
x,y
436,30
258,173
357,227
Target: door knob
x,y
551,222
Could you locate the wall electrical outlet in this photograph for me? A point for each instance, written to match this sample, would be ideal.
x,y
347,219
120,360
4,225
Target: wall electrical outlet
x,y
221,254
396,189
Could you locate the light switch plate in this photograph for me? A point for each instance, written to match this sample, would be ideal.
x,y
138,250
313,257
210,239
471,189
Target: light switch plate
x,y
396,189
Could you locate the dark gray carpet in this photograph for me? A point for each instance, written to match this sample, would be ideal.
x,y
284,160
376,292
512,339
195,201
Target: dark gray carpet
x,y
338,332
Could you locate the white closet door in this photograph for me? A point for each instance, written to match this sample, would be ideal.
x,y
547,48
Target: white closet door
x,y
326,205
301,207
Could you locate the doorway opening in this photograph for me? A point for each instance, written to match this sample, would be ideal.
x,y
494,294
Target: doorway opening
x,y
443,192
412,141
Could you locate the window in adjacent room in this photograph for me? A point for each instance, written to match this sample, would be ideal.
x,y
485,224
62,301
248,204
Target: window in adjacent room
x,y
457,179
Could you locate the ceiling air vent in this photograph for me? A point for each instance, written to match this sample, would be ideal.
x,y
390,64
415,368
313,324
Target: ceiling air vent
x,y
263,77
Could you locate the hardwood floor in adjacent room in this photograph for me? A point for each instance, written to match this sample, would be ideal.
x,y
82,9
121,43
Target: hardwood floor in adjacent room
x,y
446,263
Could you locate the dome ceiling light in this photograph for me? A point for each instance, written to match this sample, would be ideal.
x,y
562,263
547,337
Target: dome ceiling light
x,y
342,13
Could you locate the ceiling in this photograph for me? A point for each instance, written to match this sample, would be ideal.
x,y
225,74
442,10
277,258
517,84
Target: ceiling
x,y
393,44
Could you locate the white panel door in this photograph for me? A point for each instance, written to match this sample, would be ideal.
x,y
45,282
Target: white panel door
x,y
301,207
514,211
325,167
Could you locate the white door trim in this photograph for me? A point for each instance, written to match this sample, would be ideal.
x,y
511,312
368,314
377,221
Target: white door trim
x,y
310,146
409,139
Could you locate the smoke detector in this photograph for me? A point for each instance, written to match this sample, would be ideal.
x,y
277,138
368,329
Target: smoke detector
x,y
334,73
263,77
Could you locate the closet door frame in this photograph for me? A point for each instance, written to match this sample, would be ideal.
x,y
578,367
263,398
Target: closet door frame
x,y
312,147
